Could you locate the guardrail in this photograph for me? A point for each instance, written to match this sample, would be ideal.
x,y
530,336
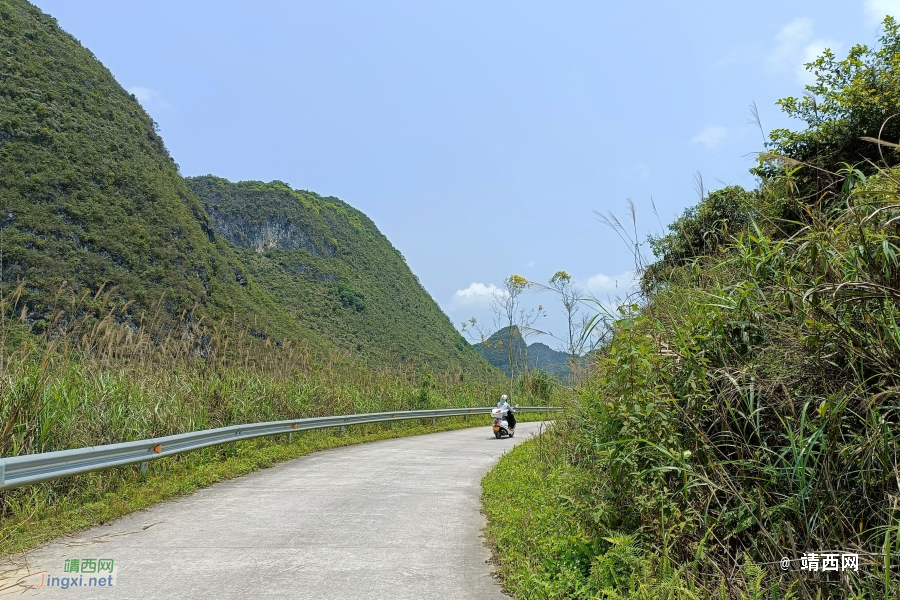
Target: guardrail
x,y
17,471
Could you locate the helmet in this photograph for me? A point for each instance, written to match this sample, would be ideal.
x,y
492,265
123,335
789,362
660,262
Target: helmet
x,y
503,398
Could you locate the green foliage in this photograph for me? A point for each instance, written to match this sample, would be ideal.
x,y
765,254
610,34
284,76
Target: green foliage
x,y
547,537
351,299
538,383
704,229
746,407
850,99
747,410
97,221
330,269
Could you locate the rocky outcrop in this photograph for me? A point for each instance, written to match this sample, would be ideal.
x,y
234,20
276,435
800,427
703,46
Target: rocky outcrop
x,y
272,234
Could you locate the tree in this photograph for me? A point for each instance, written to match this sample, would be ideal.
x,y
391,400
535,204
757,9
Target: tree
x,y
851,99
569,294
510,317
518,321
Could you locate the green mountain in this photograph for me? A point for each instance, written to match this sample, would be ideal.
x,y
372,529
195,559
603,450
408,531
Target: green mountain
x,y
329,267
536,356
90,195
97,220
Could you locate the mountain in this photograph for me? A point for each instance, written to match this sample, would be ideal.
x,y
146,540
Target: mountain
x,y
328,265
538,356
90,196
543,357
97,220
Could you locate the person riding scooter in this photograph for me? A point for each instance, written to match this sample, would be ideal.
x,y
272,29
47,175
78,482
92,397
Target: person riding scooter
x,y
503,404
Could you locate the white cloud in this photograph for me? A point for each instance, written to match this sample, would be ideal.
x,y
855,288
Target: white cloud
x,y
643,171
476,295
876,10
795,45
143,94
711,136
601,285
789,43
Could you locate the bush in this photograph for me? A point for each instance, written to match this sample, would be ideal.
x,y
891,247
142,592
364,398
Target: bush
x,y
538,383
705,229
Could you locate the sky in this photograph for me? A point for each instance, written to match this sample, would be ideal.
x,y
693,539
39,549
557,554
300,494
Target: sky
x,y
481,138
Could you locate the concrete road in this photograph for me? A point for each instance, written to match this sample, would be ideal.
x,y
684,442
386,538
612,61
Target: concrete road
x,y
387,520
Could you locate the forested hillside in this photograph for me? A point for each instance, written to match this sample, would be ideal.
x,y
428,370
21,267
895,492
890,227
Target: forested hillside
x,y
536,356
94,207
329,267
99,227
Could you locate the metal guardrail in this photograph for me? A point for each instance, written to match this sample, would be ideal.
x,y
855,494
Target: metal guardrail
x,y
17,471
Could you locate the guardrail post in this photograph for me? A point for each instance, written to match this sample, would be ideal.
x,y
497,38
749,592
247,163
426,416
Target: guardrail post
x,y
342,430
232,448
143,468
467,418
433,420
290,437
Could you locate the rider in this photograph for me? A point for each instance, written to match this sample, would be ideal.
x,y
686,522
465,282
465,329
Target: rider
x,y
510,416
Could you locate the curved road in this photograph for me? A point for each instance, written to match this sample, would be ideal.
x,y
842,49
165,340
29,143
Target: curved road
x,y
393,519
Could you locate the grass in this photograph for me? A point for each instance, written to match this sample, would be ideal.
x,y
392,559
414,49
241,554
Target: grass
x,y
746,406
544,536
744,410
103,383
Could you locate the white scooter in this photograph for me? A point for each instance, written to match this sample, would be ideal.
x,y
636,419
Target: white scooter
x,y
501,424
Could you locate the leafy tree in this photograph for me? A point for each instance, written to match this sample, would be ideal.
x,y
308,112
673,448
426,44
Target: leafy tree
x,y
513,321
704,229
506,308
851,99
569,294
351,298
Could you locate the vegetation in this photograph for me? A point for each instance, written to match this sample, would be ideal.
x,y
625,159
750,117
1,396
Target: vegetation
x,y
327,265
122,388
851,100
131,308
95,212
746,407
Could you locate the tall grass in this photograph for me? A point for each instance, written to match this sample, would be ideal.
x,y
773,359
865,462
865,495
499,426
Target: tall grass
x,y
747,408
93,377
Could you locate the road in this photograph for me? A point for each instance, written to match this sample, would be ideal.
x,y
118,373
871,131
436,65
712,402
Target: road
x,y
388,520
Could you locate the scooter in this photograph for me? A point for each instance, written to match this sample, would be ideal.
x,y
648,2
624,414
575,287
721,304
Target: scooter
x,y
501,424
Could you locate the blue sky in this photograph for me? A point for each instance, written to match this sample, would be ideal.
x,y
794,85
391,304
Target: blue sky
x,y
479,136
